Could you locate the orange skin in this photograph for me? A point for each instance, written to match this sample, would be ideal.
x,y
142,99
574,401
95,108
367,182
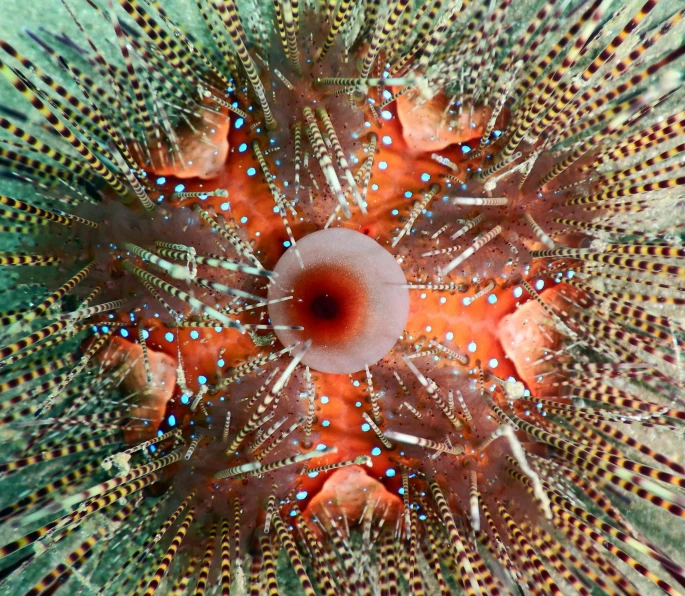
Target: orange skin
x,y
407,157
198,162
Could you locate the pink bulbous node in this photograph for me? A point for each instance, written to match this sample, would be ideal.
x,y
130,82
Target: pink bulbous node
x,y
350,297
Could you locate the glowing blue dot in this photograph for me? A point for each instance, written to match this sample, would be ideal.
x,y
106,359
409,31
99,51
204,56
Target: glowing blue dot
x,y
386,115
146,334
395,212
358,404
355,383
221,362
400,490
169,336
376,451
194,334
153,448
225,206
408,194
243,219
179,188
366,427
539,284
286,243
324,399
472,347
374,186
518,292
242,148
202,379
172,420
387,140
425,177
449,335
496,133
124,333
492,299
161,180
383,165
321,447
326,423
105,329
493,363
185,399
251,171
465,149
466,300
390,472
239,122
301,495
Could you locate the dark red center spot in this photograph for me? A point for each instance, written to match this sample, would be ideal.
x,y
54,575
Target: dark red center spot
x,y
329,302
325,307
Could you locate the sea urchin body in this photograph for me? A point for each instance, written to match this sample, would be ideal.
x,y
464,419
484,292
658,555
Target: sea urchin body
x,y
386,294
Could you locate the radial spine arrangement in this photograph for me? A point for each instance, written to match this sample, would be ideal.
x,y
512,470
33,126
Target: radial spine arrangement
x,y
345,297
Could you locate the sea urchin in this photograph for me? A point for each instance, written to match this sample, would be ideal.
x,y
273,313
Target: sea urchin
x,y
384,290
